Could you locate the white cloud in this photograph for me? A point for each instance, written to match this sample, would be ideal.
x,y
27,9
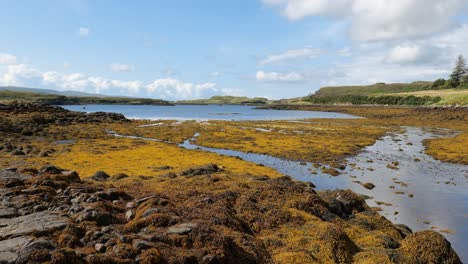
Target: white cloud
x,y
379,19
262,76
17,74
405,53
83,32
119,67
7,59
292,54
170,88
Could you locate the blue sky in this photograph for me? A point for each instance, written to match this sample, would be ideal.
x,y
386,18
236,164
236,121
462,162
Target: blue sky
x,y
176,49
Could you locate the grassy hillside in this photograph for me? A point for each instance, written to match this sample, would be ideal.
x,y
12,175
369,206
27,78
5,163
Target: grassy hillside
x,y
63,100
378,88
49,91
227,100
448,96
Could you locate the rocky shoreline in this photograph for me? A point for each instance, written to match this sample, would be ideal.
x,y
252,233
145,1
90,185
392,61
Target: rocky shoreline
x,y
203,214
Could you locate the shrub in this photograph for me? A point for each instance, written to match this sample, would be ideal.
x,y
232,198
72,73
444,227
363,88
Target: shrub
x,y
438,83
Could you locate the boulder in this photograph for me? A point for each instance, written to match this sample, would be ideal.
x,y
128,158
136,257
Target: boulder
x,y
36,223
182,229
9,248
201,170
100,176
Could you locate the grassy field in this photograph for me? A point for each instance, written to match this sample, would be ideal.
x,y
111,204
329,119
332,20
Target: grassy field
x,y
378,88
449,96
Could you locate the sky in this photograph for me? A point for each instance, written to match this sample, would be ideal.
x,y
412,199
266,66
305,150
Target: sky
x,y
176,50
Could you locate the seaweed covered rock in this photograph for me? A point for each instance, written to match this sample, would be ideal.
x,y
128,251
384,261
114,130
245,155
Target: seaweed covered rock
x,y
54,217
428,247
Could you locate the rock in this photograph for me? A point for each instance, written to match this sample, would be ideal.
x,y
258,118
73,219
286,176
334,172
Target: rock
x,y
43,154
428,247
100,247
141,244
124,251
36,223
17,152
36,251
72,176
10,247
8,212
260,178
6,175
50,170
129,215
100,176
201,170
150,212
165,168
182,229
119,176
368,185
101,218
152,256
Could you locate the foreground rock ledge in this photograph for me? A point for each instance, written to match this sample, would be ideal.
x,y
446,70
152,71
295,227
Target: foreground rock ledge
x,y
52,216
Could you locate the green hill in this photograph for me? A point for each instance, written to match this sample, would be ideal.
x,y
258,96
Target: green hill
x,y
374,89
55,99
233,100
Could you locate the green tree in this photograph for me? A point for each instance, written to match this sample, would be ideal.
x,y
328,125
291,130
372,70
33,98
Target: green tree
x,y
459,71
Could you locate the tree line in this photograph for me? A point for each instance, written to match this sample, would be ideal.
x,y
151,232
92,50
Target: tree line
x,y
458,78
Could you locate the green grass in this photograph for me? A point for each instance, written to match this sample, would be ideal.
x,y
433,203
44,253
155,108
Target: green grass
x,y
378,88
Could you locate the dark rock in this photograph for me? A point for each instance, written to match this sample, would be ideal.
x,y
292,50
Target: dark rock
x,y
141,244
17,152
101,218
50,170
368,185
100,176
201,170
119,176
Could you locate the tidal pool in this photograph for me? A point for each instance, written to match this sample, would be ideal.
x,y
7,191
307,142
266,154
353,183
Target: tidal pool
x,y
411,187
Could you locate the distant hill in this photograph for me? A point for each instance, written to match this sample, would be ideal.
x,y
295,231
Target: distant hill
x,y
232,100
49,91
374,89
55,99
415,93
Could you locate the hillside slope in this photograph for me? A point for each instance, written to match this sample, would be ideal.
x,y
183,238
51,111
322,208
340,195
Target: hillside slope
x,y
378,88
54,99
226,100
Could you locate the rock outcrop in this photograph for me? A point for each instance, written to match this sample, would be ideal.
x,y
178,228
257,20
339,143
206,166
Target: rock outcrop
x,y
52,216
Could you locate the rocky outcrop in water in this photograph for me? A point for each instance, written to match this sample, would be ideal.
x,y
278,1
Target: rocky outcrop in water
x,y
28,118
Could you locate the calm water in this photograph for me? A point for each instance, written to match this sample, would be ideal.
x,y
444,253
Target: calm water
x,y
202,112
